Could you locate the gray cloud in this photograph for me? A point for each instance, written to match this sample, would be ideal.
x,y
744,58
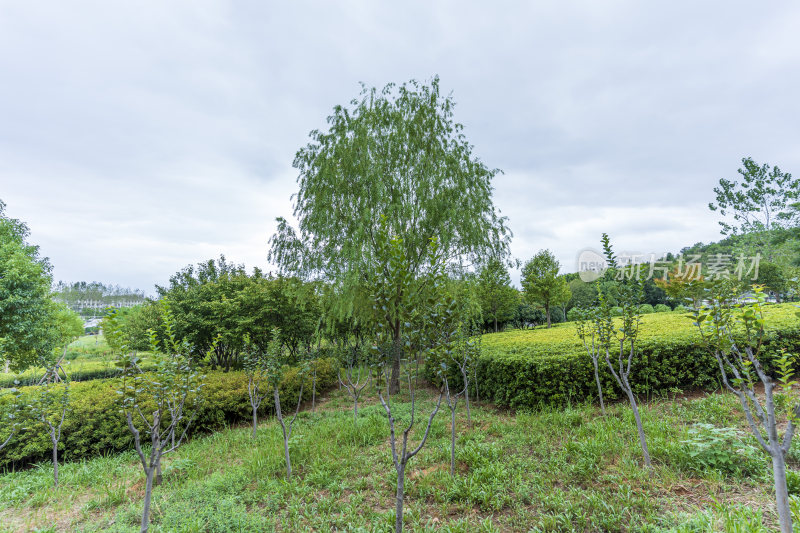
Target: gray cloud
x,y
137,138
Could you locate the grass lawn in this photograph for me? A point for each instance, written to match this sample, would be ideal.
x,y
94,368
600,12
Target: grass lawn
x,y
565,469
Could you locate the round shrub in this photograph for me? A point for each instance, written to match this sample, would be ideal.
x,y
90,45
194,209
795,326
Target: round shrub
x,y
616,311
662,308
646,309
680,308
573,314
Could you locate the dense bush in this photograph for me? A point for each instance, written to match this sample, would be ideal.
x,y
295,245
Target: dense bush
x,y
529,368
646,309
662,308
95,424
573,314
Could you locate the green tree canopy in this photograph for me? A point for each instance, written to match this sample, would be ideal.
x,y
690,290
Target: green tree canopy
x,y
498,299
398,153
541,283
584,294
760,204
28,327
395,153
217,305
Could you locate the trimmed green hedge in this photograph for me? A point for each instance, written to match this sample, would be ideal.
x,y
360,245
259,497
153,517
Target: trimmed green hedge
x,y
81,370
527,368
95,425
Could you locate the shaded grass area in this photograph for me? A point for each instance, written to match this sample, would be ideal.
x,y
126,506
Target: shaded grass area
x,y
566,469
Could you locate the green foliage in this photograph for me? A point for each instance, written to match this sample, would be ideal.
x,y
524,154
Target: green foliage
x,y
528,315
498,299
583,294
414,167
550,366
661,308
563,469
760,202
80,370
218,301
557,315
646,309
793,482
74,294
542,285
27,324
774,278
96,426
720,449
128,327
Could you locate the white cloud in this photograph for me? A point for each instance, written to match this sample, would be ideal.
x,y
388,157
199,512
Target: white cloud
x,y
138,138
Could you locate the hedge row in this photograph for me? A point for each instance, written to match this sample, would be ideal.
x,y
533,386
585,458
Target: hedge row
x,y
96,426
86,371
524,369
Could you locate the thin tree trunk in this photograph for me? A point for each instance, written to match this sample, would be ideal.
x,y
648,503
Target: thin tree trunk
x,y
394,384
599,387
398,521
314,390
285,436
148,490
158,479
465,377
288,459
453,440
466,397
495,324
639,427
55,460
781,492
547,312
255,421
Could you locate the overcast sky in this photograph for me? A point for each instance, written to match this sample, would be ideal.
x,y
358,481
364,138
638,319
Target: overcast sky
x,y
138,137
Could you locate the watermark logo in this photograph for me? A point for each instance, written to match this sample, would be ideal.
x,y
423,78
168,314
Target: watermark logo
x,y
590,264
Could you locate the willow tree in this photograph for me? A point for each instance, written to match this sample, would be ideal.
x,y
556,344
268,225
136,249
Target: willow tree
x,y
395,152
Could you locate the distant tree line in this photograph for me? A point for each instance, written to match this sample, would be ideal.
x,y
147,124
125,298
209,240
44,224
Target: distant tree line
x,y
92,298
